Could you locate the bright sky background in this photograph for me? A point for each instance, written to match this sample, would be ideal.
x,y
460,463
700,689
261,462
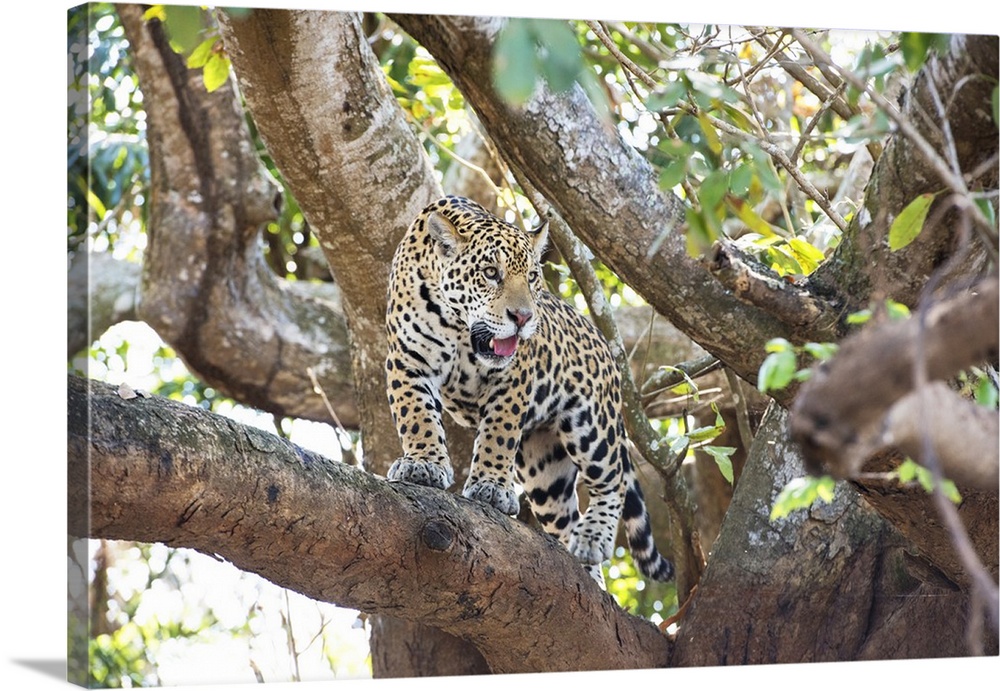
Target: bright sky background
x,y
34,304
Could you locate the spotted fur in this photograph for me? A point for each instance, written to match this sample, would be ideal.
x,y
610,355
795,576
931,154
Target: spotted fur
x,y
472,331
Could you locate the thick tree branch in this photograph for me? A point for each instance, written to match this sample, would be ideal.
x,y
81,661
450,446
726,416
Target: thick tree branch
x,y
153,470
323,108
102,292
838,414
751,281
963,435
206,288
837,576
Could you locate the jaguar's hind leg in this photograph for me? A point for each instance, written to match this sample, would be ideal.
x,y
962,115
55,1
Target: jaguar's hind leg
x,y
549,480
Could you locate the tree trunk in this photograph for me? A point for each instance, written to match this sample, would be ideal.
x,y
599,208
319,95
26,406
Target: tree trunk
x,y
836,582
322,106
206,288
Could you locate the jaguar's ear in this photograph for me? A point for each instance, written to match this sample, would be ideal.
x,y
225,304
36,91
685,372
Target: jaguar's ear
x,y
539,239
446,236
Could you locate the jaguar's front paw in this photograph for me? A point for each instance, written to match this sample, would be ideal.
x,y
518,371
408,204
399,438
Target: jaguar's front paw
x,y
427,473
493,494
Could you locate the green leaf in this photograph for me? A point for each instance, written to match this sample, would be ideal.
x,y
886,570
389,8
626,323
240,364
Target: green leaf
x,y
917,46
909,470
740,179
996,105
801,493
987,209
711,136
216,72
809,257
783,260
185,25
820,351
709,432
897,310
859,317
778,345
986,393
722,456
699,236
777,371
910,221
767,175
673,174
562,59
200,56
713,189
751,219
514,66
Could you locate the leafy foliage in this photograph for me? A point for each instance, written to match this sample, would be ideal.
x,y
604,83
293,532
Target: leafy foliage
x,y
107,161
529,50
801,493
781,366
910,471
650,599
194,35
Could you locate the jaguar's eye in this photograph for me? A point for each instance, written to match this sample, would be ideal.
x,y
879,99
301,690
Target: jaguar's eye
x,y
491,273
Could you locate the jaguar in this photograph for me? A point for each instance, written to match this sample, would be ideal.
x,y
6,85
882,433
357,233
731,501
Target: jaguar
x,y
473,332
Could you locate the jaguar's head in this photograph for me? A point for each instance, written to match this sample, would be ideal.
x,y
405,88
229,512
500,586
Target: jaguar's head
x,y
490,274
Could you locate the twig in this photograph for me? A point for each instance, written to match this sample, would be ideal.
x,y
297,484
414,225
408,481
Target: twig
x,y
742,413
778,155
625,61
984,593
669,377
457,158
820,90
775,48
953,180
286,621
342,432
811,125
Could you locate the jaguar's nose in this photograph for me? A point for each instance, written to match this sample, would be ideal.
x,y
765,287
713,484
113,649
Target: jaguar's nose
x,y
519,316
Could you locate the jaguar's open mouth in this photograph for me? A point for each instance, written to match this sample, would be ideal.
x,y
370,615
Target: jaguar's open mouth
x,y
486,344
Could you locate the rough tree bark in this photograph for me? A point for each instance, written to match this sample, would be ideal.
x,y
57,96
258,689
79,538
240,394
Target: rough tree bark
x,y
161,471
206,288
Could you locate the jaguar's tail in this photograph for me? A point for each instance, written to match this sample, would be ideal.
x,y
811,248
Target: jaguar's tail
x,y
639,534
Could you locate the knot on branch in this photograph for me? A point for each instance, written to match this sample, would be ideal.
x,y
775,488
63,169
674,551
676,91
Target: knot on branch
x,y
438,535
756,284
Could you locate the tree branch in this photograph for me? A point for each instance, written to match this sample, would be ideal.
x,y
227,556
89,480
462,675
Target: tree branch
x,y
753,282
912,163
206,288
102,292
836,419
154,470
